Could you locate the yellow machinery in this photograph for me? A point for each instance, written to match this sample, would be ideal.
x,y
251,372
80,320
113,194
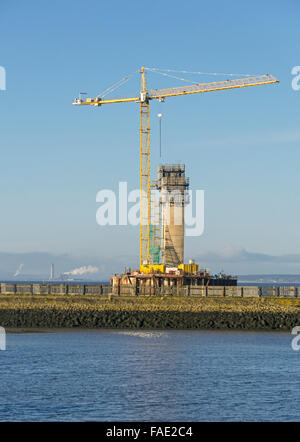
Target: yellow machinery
x,y
144,99
154,268
189,268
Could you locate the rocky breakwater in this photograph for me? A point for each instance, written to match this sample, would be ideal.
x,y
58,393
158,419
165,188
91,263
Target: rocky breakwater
x,y
148,312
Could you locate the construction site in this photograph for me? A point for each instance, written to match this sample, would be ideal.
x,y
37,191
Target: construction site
x,y
162,220
166,242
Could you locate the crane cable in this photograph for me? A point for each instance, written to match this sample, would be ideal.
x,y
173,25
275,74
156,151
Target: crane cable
x,y
156,71
203,73
116,85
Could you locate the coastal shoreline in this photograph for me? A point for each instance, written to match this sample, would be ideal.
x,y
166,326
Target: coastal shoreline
x,y
47,314
53,331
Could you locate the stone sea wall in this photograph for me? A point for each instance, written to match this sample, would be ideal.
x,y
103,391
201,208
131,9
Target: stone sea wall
x,y
149,312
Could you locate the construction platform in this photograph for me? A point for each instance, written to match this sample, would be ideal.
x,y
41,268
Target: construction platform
x,y
155,282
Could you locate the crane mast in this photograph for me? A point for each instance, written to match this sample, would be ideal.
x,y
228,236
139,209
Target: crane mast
x,y
144,172
144,100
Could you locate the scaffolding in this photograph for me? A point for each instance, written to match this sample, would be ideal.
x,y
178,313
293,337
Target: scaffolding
x,y
173,185
155,226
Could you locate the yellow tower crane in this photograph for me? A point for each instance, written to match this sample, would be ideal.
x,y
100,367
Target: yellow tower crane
x,y
144,99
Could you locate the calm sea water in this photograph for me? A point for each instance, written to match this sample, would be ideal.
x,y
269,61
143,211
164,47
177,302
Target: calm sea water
x,y
149,376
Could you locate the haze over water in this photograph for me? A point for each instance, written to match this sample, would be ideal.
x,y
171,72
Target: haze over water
x,y
149,376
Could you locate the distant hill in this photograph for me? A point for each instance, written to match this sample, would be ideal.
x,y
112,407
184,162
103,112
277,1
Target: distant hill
x,y
272,278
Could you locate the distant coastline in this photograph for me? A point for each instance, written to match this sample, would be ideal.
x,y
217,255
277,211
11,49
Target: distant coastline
x,y
257,279
271,279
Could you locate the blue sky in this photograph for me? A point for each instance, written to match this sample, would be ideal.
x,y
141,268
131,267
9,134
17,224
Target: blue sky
x,y
241,146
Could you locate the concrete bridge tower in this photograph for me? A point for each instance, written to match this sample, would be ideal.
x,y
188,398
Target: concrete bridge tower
x,y
173,186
